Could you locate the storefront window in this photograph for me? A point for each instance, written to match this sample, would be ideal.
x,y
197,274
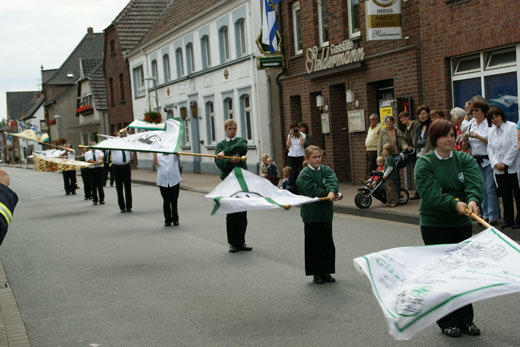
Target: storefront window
x,y
465,90
502,91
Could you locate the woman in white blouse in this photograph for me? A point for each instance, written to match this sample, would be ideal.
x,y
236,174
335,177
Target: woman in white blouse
x,y
168,179
295,143
503,154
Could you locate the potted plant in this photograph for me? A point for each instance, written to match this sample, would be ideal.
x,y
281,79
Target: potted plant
x,y
85,109
152,117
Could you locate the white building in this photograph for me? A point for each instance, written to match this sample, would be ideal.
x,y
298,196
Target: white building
x,y
198,63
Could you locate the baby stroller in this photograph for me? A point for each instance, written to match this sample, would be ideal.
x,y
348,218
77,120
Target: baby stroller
x,y
377,189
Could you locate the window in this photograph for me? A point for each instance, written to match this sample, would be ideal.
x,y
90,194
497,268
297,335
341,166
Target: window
x,y
323,24
111,85
166,67
247,128
224,44
353,18
112,47
297,33
186,137
206,54
179,62
139,86
210,116
492,74
240,37
228,108
190,62
122,87
86,100
154,72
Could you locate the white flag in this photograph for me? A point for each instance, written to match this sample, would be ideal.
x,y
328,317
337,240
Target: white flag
x,y
159,141
141,124
242,190
416,286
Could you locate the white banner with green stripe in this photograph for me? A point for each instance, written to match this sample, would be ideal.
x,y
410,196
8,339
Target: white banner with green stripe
x,y
158,141
242,190
416,286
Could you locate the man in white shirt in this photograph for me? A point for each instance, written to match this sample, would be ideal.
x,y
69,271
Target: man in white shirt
x,y
95,156
69,176
123,176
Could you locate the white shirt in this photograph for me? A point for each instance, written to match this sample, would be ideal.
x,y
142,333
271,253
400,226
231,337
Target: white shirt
x,y
117,157
69,155
296,149
168,174
502,147
478,147
466,124
99,157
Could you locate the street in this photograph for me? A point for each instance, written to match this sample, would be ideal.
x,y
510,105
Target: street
x,y
86,275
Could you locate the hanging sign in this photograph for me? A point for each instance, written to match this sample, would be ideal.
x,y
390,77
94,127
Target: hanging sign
x,y
383,20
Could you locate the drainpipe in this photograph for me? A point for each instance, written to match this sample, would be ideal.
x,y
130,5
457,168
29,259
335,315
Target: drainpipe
x,y
280,94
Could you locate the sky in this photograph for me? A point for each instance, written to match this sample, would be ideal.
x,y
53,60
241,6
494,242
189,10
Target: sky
x,y
36,33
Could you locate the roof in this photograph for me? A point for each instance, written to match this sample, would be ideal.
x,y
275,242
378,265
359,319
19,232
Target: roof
x,y
88,65
39,102
134,21
19,104
179,12
97,87
47,74
90,47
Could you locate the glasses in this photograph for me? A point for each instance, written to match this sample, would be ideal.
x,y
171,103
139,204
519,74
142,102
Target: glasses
x,y
372,119
476,110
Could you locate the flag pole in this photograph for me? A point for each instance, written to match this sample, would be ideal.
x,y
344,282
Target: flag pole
x,y
477,218
339,196
242,158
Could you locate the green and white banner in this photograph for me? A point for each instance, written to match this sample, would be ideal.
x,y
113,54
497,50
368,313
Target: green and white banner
x,y
141,124
242,191
416,286
159,141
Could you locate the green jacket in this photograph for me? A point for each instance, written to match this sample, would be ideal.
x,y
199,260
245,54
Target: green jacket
x,y
390,162
440,182
237,146
317,183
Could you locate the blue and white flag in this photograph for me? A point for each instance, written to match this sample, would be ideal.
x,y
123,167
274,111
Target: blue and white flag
x,y
21,126
269,26
35,128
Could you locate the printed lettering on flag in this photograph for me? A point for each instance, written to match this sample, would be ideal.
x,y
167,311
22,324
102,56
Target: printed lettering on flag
x,y
416,286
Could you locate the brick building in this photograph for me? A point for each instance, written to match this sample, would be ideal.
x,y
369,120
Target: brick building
x,y
449,51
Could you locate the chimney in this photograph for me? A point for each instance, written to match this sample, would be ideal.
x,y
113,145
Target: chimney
x,y
90,30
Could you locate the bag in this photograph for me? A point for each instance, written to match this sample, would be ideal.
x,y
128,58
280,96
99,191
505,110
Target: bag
x,y
402,159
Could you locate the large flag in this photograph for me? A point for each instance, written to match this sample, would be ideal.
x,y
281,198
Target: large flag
x,y
27,135
269,26
54,164
50,153
416,286
159,141
242,190
140,124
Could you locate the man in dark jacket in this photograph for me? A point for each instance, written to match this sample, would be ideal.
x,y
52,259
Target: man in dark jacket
x,y
8,200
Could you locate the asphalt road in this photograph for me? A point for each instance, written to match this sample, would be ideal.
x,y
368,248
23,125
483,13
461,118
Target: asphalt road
x,y
87,275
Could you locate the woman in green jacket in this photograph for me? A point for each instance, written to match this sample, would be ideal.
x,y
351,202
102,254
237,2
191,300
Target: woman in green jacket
x,y
449,183
317,180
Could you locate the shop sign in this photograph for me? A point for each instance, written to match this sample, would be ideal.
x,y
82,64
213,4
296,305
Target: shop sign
x,y
332,56
383,20
269,62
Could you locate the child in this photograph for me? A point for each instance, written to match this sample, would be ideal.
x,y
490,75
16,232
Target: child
x,y
263,165
272,171
390,175
288,182
317,180
375,175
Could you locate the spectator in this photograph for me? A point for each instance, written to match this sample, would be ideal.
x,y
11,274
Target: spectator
x,y
391,135
288,183
468,119
272,171
304,129
457,115
263,165
503,154
436,114
371,142
409,127
391,176
295,144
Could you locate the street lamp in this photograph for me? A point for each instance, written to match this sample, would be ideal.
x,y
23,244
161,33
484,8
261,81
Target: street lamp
x,y
156,97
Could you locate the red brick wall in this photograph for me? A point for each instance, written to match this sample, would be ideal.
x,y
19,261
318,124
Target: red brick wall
x,y
120,112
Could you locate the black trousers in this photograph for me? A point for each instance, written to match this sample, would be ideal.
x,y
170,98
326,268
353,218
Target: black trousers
x,y
371,161
320,253
296,165
86,176
69,181
97,184
508,187
123,178
106,170
236,225
438,235
170,196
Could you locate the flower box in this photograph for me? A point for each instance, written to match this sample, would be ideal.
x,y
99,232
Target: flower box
x,y
85,109
152,117
52,121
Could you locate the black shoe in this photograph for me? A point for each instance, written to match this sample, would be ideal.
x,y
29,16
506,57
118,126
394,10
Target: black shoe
x,y
73,193
123,211
87,198
167,224
233,249
328,278
176,224
416,197
128,210
471,329
317,279
67,193
452,332
506,226
245,247
101,202
94,203
493,222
